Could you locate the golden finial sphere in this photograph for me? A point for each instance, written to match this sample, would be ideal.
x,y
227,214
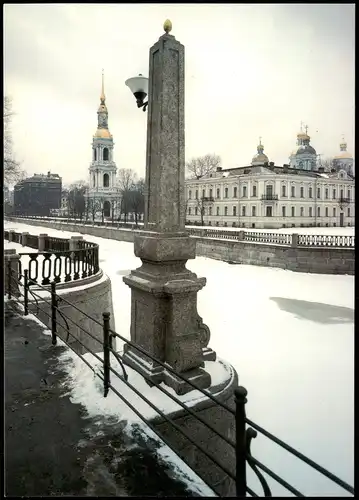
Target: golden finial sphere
x,y
167,26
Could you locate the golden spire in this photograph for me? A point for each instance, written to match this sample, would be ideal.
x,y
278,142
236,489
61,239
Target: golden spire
x,y
102,96
167,26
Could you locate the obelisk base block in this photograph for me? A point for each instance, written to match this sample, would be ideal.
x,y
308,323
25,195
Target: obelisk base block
x,y
164,317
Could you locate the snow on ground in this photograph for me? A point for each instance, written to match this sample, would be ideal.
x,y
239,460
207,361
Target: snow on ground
x,y
290,337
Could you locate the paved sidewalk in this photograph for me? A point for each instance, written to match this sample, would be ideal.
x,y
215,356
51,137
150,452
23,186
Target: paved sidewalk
x,y
49,443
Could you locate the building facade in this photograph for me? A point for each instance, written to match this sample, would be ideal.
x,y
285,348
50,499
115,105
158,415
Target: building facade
x,y
38,195
263,195
103,193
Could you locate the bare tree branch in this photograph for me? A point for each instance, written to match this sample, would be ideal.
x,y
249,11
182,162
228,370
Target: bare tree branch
x,y
203,165
12,170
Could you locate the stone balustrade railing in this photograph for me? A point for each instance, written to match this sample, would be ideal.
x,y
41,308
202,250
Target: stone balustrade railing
x,y
272,238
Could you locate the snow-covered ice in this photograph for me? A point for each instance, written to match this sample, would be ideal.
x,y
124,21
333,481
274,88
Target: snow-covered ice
x,y
290,337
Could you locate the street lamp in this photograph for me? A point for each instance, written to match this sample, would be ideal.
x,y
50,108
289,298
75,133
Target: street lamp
x,y
139,87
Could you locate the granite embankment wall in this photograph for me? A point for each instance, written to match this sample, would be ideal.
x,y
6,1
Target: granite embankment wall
x,y
312,259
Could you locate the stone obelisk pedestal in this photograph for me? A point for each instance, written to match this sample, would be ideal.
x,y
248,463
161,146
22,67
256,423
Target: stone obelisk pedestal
x,y
164,318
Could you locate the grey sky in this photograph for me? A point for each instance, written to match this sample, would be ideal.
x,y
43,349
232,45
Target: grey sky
x,y
251,70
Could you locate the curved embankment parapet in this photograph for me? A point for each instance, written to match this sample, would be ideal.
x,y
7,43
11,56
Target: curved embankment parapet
x,y
311,259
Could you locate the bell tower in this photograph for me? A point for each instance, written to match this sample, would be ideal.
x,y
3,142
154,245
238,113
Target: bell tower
x,y
102,170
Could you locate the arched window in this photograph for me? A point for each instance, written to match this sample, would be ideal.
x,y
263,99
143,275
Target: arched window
x,y
235,192
226,192
95,154
105,154
225,210
189,194
94,180
234,211
254,192
217,210
318,211
107,208
244,211
217,193
189,211
106,180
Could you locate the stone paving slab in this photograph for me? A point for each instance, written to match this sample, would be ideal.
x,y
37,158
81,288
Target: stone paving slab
x,y
52,447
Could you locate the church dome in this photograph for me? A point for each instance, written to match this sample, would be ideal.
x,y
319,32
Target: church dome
x,y
306,149
260,158
103,133
343,155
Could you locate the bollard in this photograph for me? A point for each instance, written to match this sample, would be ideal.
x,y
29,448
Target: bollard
x,y
42,242
11,235
241,476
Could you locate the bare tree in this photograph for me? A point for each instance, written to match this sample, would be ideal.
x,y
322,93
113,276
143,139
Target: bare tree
x,y
328,164
12,170
203,165
76,199
202,203
137,199
126,179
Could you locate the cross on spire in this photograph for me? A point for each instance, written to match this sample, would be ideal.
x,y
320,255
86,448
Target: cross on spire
x,y
260,140
102,97
306,129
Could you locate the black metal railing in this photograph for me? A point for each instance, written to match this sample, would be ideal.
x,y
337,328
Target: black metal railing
x,y
241,446
325,240
343,200
59,264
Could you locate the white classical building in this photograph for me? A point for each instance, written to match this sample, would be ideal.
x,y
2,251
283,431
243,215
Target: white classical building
x,y
103,191
263,195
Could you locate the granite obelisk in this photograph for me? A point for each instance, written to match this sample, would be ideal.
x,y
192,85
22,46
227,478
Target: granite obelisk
x,y
164,317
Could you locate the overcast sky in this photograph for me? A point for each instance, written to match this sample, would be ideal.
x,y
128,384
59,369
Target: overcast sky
x,y
251,70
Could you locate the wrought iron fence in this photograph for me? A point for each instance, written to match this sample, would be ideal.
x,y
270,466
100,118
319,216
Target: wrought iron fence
x,y
59,264
245,428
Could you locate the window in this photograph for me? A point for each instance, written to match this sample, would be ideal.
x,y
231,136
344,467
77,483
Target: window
x,y
253,211
269,211
318,193
302,192
269,192
244,191
234,211
254,191
94,181
196,194
95,154
105,154
203,193
334,194
211,193
334,212
235,192
196,211
226,192
348,194
283,211
342,193
284,191
189,211
310,211
326,211
318,211
302,211
217,211
243,211
225,210
310,192
189,194
210,211
293,211
106,180
326,193
348,212
217,196
293,192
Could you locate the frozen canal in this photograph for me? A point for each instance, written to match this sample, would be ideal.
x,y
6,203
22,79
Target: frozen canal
x,y
290,337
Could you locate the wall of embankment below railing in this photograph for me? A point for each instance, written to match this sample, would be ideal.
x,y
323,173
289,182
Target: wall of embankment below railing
x,y
322,254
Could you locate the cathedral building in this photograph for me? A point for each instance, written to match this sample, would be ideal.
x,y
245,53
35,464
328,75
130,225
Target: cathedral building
x,y
344,160
103,193
265,195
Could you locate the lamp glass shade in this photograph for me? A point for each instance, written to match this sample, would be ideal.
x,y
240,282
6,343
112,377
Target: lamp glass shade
x,y
138,84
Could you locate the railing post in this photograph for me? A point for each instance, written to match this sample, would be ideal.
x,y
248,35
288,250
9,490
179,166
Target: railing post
x,y
26,291
241,477
9,279
295,240
106,352
53,313
41,242
24,238
12,269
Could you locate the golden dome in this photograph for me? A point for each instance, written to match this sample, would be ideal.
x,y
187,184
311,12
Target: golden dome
x,y
343,155
103,133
